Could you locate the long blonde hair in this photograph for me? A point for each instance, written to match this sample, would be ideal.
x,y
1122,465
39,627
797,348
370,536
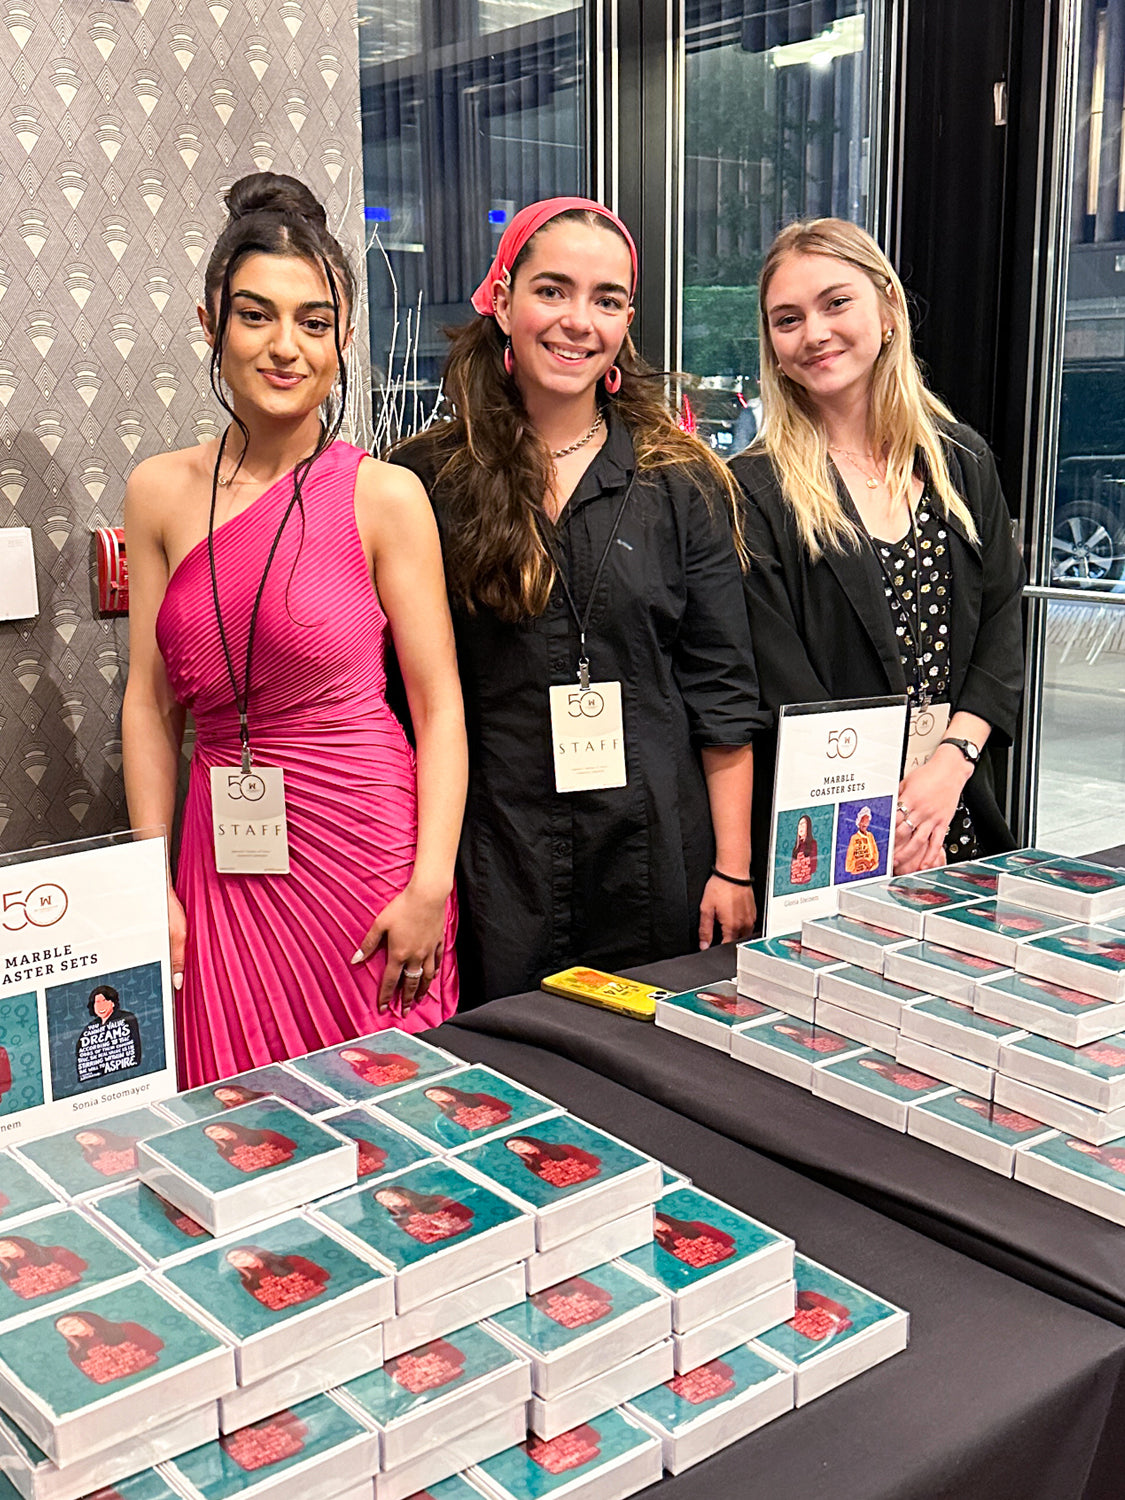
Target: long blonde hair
x,y
903,415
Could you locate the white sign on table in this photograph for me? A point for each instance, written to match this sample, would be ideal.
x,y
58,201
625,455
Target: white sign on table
x,y
85,984
835,787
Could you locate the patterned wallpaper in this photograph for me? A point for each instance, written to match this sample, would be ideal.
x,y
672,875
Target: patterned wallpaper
x,y
121,124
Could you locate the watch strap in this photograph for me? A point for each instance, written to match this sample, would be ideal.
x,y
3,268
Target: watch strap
x,y
968,749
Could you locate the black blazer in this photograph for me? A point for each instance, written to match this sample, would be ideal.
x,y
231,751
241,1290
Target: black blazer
x,y
822,630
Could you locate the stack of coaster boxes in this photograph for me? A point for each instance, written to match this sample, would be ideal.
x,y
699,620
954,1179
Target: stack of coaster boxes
x,y
377,1271
980,1007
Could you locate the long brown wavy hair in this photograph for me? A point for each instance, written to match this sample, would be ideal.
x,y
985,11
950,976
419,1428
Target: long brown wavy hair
x,y
494,470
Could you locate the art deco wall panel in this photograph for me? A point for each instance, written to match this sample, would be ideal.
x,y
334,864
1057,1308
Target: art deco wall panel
x,y
122,124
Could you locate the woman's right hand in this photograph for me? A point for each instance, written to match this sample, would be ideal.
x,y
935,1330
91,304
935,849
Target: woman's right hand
x,y
177,936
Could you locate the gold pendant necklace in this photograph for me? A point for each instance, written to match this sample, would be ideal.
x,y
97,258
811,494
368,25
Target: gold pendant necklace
x,y
873,480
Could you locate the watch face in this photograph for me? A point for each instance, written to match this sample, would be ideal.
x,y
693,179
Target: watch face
x,y
967,748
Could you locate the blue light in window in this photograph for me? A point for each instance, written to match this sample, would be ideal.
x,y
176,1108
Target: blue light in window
x,y
497,216
379,214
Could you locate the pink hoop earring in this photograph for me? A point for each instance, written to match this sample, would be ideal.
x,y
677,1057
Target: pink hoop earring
x,y
612,379
509,357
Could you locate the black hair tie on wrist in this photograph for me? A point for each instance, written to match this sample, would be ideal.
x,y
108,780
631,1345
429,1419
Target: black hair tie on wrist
x,y
730,879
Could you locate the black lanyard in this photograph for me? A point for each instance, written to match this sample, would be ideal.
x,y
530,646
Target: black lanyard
x,y
242,700
583,620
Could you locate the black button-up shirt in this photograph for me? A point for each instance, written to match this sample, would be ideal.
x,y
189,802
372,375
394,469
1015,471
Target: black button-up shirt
x,y
611,877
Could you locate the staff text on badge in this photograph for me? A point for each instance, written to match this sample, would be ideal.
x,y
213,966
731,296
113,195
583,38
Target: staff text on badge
x,y
588,737
248,818
927,729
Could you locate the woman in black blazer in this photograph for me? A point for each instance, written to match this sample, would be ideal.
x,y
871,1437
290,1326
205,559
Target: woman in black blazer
x,y
882,552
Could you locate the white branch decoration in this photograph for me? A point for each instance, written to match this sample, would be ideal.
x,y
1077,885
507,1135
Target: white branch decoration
x,y
384,404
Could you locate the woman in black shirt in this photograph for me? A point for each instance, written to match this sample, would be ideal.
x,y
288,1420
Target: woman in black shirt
x,y
567,497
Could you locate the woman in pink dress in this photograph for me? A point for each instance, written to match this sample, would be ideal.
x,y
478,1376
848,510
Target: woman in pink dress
x,y
267,569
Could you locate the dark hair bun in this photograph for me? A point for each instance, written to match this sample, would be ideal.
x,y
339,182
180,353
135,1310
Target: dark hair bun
x,y
274,193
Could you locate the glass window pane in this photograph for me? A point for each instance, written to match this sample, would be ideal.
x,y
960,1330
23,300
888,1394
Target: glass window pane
x,y
1088,523
1082,761
777,119
471,108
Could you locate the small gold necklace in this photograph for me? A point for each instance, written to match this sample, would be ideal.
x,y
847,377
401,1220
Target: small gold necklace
x,y
873,480
233,475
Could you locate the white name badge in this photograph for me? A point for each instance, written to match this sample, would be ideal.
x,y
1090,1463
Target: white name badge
x,y
927,730
248,817
588,737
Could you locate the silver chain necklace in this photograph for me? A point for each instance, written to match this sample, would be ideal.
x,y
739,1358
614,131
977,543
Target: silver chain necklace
x,y
582,441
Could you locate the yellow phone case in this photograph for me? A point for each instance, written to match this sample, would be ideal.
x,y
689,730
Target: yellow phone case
x,y
627,997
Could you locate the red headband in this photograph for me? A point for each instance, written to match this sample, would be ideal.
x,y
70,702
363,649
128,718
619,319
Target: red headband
x,y
527,222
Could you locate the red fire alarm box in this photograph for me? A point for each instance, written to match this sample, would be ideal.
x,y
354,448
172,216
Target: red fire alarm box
x,y
113,571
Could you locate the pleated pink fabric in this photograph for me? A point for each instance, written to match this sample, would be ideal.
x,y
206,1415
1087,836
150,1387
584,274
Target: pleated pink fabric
x,y
267,973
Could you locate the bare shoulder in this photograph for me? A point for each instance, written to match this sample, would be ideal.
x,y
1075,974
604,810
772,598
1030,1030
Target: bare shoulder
x,y
157,482
391,505
389,486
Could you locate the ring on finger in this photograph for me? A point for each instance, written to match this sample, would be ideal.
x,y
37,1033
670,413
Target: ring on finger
x,y
908,823
412,973
905,811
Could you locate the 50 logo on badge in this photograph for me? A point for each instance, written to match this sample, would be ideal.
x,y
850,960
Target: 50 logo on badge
x,y
41,906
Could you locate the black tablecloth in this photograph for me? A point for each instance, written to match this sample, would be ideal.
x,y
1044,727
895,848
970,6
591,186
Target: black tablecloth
x,y
1004,1393
1049,1244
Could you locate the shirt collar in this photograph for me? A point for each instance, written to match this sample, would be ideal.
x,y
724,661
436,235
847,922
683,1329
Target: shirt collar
x,y
613,463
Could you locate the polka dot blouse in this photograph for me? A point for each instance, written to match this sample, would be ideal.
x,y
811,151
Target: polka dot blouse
x,y
919,603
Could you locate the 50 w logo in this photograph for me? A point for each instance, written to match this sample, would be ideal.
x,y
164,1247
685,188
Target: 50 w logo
x,y
842,743
42,906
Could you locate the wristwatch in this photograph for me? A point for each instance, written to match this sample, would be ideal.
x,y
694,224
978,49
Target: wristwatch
x,y
970,751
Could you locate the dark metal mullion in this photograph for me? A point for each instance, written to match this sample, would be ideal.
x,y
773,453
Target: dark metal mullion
x,y
644,166
599,174
886,84
1050,123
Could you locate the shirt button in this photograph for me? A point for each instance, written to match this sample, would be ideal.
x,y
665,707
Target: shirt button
x,y
558,664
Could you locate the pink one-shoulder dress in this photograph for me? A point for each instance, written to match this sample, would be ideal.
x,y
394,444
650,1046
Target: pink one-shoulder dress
x,y
267,973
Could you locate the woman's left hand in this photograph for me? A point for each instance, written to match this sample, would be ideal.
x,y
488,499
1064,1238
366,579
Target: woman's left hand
x,y
731,906
927,799
412,926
